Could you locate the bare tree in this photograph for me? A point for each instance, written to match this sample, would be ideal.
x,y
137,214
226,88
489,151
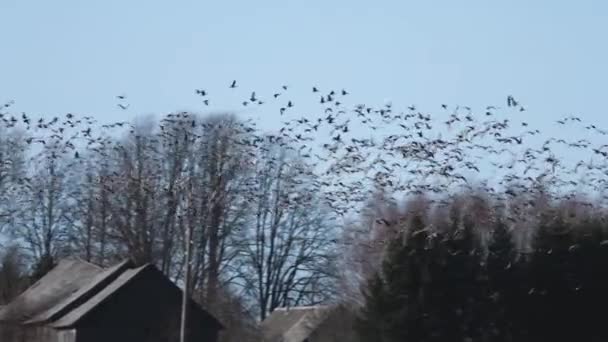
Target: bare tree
x,y
89,216
286,249
12,169
222,193
135,185
42,222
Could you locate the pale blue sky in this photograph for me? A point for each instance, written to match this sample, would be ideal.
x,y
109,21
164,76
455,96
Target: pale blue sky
x,y
76,56
73,55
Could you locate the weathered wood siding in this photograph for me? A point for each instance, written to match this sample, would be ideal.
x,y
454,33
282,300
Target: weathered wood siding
x,y
145,310
338,327
18,333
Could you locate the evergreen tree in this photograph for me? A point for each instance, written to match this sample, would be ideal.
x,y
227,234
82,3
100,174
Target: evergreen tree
x,y
439,287
462,284
405,273
551,295
501,287
371,324
394,304
590,259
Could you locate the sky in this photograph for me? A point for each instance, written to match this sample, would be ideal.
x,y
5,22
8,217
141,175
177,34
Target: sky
x,y
76,56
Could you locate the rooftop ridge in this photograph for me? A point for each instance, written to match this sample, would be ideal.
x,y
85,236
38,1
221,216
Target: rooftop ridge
x,y
308,307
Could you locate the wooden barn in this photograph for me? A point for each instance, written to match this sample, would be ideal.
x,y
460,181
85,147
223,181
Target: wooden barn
x,y
81,302
309,324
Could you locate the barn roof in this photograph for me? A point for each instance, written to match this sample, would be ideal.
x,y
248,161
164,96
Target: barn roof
x,y
75,315
71,290
66,278
100,280
293,324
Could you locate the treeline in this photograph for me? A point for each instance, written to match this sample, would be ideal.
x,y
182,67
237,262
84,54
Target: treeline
x,y
279,218
261,234
450,276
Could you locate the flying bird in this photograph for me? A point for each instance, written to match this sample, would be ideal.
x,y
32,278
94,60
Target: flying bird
x,y
233,84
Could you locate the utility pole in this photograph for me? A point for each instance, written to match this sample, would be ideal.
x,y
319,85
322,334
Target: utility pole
x,y
186,292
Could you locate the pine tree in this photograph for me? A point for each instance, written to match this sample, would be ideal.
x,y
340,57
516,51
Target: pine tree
x,y
395,301
462,286
501,288
591,280
551,295
405,273
371,323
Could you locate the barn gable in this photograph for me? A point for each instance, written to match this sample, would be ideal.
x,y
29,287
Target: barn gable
x,y
332,323
294,324
99,281
80,302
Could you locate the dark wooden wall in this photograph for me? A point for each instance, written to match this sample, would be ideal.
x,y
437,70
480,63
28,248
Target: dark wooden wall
x,y
145,310
20,333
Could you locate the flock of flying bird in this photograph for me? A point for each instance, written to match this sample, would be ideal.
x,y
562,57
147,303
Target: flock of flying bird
x,y
400,151
405,144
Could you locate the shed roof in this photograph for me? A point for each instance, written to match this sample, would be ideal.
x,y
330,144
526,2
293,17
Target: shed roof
x,y
293,324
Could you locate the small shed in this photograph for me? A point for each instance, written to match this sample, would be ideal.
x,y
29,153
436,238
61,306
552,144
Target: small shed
x,y
309,324
80,302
